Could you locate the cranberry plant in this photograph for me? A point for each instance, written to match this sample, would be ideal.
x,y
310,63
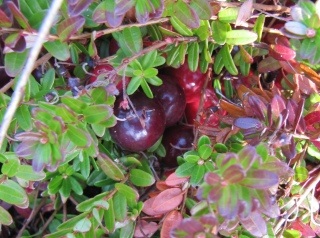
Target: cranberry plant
x,y
174,118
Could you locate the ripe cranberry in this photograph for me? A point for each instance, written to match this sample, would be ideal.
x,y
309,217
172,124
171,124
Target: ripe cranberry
x,y
138,131
171,97
210,102
191,82
176,137
113,47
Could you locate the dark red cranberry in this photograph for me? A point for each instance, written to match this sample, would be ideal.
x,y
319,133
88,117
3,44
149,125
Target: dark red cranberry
x,y
191,82
177,140
210,101
171,97
138,132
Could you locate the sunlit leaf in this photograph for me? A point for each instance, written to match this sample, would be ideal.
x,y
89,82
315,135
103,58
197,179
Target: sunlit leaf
x,y
202,8
5,217
240,37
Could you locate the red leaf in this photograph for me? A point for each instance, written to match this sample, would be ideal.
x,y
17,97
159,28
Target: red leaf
x,y
5,21
173,180
69,26
305,230
281,52
145,229
167,200
77,7
313,120
268,64
21,19
148,209
171,221
260,179
305,85
277,106
161,185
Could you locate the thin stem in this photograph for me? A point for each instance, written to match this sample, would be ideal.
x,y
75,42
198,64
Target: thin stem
x,y
33,55
302,197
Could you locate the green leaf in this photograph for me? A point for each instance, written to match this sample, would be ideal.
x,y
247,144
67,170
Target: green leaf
x,y
220,148
58,49
88,204
155,80
97,113
228,60
69,224
65,188
120,206
130,194
218,63
55,184
109,217
5,217
75,104
259,25
134,84
65,113
12,193
131,41
219,31
23,116
180,27
26,172
10,167
141,178
146,89
78,136
197,175
48,79
109,167
193,56
75,185
301,174
202,8
148,59
240,37
228,15
150,72
186,14
204,140
205,151
185,169
83,225
14,62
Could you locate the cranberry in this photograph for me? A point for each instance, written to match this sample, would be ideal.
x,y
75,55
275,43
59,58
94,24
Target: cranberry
x,y
171,97
191,82
113,47
209,104
138,132
177,140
